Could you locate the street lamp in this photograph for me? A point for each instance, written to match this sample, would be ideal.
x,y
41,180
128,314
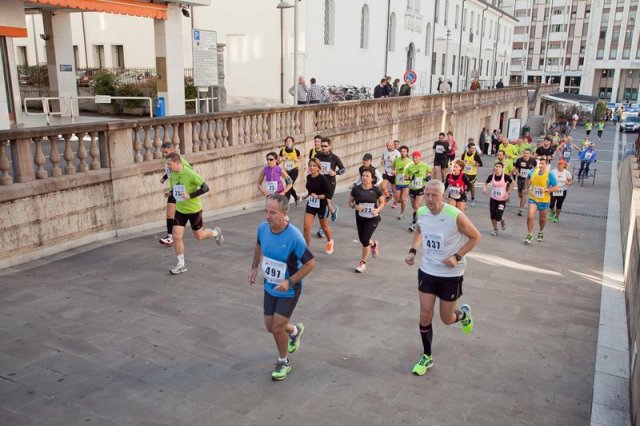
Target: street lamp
x,y
284,4
446,55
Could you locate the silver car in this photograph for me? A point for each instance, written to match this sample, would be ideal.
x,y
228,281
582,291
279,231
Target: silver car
x,y
630,124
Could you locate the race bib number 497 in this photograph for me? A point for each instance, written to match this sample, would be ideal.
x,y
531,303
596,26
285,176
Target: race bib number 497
x,y
273,270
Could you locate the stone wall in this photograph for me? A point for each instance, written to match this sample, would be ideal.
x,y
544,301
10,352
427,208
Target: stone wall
x,y
630,230
65,186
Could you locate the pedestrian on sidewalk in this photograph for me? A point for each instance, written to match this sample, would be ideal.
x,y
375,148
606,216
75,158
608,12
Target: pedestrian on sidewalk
x,y
302,89
313,94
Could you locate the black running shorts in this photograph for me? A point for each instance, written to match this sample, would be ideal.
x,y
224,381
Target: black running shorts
x,y
281,305
448,289
181,219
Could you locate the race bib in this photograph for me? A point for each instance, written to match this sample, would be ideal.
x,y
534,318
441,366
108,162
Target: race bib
x,y
524,173
439,149
289,165
178,192
433,244
167,171
417,182
273,270
588,155
468,168
558,193
314,202
326,167
454,192
367,210
538,191
497,193
271,186
566,154
400,179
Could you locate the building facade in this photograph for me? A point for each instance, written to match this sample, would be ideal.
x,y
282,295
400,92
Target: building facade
x,y
589,47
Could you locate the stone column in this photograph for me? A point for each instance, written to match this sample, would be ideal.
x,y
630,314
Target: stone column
x,y
616,85
169,60
59,47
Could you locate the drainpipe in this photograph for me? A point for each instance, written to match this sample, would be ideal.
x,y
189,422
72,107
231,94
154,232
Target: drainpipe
x,y
481,38
386,47
433,47
495,52
460,49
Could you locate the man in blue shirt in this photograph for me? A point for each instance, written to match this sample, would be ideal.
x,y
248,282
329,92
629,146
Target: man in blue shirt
x,y
285,260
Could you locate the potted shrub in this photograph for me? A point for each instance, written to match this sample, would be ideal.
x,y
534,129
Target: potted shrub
x,y
105,83
131,106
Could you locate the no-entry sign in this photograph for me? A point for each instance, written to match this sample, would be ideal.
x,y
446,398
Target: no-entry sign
x,y
410,77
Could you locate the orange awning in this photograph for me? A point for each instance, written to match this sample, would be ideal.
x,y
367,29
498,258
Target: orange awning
x,y
123,7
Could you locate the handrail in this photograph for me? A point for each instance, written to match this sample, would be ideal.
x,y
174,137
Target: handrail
x,y
96,98
45,107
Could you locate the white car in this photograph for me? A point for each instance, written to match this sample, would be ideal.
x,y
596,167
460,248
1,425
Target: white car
x,y
630,124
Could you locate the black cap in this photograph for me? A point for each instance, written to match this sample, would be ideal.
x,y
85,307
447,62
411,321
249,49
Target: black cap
x,y
367,157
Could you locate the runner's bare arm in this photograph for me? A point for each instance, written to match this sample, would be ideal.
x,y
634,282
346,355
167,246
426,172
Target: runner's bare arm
x,y
254,265
468,229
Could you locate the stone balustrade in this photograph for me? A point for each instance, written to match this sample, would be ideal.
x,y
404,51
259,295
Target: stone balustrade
x,y
64,186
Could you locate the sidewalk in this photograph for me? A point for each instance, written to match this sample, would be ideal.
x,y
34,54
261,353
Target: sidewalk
x,y
108,337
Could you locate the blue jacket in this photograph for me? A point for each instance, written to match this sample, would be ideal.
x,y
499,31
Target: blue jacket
x,y
588,154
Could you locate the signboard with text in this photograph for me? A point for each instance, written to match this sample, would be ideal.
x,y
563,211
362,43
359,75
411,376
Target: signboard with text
x,y
205,58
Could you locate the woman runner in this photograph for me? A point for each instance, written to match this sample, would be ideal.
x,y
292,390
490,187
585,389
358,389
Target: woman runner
x,y
456,185
318,196
501,185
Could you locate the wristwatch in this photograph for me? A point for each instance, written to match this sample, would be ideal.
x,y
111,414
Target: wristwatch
x,y
458,257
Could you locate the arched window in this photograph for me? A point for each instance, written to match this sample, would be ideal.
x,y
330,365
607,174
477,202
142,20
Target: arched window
x,y
364,27
392,32
427,40
446,12
329,12
436,12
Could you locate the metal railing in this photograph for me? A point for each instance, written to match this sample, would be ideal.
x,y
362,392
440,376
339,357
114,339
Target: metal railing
x,y
45,101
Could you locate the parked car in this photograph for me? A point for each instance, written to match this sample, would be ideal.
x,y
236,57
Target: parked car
x,y
629,111
630,124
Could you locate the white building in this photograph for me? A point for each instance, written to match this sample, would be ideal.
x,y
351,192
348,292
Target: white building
x,y
341,42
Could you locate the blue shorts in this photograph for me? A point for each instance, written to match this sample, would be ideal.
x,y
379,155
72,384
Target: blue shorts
x,y
541,206
401,187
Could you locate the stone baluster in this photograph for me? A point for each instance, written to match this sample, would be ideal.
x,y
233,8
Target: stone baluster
x,y
204,144
40,160
157,141
148,154
254,134
266,120
218,134
247,129
195,137
82,153
5,177
137,145
95,152
166,137
259,127
54,156
175,138
239,122
69,167
211,135
225,132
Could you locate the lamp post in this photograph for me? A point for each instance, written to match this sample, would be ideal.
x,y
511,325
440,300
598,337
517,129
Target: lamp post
x,y
284,4
446,55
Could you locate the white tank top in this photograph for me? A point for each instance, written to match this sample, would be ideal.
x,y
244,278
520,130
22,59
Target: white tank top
x,y
387,159
440,240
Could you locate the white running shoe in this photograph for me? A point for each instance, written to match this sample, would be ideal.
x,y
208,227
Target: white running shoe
x,y
494,232
412,227
167,241
361,267
219,237
178,269
400,217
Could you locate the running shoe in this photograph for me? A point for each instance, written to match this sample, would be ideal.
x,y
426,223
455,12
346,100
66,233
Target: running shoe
x,y
551,216
294,341
389,197
412,227
297,201
282,370
494,232
167,241
529,239
540,236
473,202
400,216
178,269
320,233
334,214
375,251
467,322
425,363
395,205
556,219
329,247
219,237
362,266
520,212
504,225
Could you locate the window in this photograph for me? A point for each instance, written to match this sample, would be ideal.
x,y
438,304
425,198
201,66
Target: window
x,y
21,56
364,27
392,32
76,57
427,40
444,63
98,56
446,13
456,17
434,60
329,12
436,12
118,56
471,24
478,24
557,28
453,66
464,20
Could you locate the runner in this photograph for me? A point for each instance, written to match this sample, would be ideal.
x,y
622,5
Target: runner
x,y
472,161
331,166
317,146
547,150
271,177
318,198
441,159
541,184
367,200
501,185
446,235
388,156
187,187
451,155
587,156
457,185
588,127
401,188
285,261
600,127
167,148
367,160
291,158
564,178
418,173
523,166
565,149
508,164
510,150
524,144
